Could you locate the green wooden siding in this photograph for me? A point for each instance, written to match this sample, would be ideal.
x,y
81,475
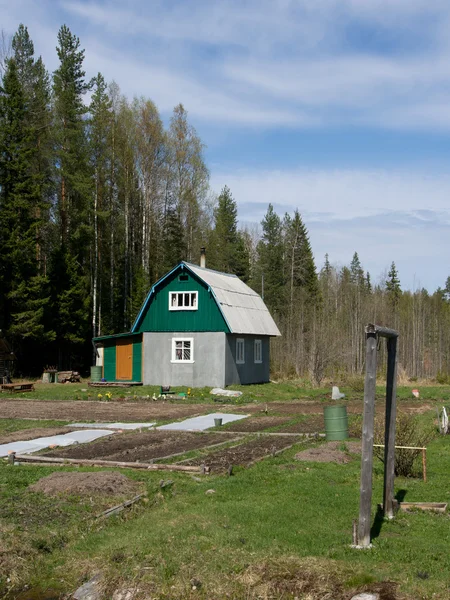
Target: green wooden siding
x,y
137,359
158,317
109,361
109,358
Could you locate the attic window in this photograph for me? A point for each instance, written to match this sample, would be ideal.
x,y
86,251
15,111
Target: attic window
x,y
183,278
183,300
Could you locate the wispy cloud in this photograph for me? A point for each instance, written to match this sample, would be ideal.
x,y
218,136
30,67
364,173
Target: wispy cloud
x,y
383,215
299,64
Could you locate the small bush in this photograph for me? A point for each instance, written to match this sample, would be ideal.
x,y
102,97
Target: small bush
x,y
443,378
408,432
356,383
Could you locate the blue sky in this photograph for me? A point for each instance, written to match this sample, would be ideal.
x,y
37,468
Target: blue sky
x,y
340,108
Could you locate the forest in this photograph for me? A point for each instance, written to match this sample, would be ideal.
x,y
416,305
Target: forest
x,y
99,198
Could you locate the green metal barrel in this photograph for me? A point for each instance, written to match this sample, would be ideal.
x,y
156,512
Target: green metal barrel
x,y
336,422
96,374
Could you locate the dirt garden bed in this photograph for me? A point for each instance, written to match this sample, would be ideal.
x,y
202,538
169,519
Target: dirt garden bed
x,y
252,424
336,452
143,447
78,410
313,424
104,483
243,454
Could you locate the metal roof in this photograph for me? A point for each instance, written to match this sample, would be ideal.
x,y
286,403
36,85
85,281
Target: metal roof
x,y
243,309
101,338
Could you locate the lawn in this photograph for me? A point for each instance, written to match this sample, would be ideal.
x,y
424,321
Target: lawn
x,y
280,529
270,392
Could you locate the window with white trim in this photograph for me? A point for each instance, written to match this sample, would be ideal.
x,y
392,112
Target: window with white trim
x,y
183,350
183,300
240,351
258,351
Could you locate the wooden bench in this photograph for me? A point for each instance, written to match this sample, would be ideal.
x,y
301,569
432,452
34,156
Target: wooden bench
x,y
26,386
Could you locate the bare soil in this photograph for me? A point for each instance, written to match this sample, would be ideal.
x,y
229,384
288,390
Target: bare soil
x,y
104,483
330,452
314,424
31,434
143,447
252,424
243,454
79,410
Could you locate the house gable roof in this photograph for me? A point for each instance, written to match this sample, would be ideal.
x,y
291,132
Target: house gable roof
x,y
242,308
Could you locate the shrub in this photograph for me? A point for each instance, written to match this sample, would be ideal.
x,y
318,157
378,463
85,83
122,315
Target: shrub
x,y
408,432
356,383
443,378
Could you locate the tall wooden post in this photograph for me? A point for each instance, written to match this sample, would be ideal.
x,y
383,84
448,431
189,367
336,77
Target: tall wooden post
x,y
389,440
365,504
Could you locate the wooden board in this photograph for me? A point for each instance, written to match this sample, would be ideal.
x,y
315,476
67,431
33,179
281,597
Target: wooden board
x,y
124,360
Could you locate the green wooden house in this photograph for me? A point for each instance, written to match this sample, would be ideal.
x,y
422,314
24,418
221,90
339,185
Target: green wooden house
x,y
197,327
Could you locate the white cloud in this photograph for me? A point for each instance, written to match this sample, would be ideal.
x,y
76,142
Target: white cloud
x,y
296,64
383,215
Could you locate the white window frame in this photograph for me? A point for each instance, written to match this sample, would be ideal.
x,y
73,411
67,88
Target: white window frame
x,y
177,294
240,351
174,356
257,352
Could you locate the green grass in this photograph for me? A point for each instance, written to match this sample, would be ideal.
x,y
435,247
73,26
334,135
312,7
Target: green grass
x,y
262,393
11,425
280,516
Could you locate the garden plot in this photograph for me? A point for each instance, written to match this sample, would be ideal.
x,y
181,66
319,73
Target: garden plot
x,y
243,454
142,447
253,424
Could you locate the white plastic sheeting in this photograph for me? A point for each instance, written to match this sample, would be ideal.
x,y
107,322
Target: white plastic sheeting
x,y
112,425
67,439
203,422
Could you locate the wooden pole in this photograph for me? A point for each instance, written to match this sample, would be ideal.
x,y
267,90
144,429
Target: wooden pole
x,y
389,434
424,464
365,504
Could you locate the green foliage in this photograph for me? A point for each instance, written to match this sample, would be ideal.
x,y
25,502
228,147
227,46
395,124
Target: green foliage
x,y
393,286
227,251
410,432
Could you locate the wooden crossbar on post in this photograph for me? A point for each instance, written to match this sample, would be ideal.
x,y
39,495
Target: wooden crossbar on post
x,y
365,505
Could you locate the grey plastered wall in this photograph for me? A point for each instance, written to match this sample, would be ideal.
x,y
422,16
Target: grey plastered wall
x,y
208,368
249,372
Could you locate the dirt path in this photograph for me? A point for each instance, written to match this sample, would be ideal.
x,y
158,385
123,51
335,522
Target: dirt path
x,y
150,411
127,412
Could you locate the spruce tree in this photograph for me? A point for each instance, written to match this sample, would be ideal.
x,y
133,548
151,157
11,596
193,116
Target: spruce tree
x,y
393,288
24,294
71,258
227,251
300,267
269,271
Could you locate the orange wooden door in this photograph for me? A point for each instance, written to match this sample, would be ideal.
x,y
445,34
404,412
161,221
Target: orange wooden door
x,y
124,360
